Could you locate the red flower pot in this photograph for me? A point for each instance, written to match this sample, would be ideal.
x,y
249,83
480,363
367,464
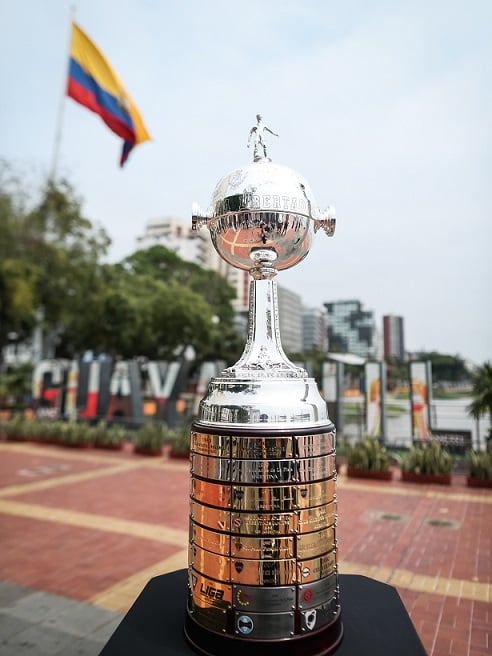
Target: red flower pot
x,y
367,473
439,479
478,482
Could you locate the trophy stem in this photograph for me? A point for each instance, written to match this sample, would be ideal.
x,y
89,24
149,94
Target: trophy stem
x,y
263,350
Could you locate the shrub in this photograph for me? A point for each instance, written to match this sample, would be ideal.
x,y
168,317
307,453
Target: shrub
x,y
106,435
368,455
16,428
47,431
150,436
180,439
73,433
113,435
480,464
427,459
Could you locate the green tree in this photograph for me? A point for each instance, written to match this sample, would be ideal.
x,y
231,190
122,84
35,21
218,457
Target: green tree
x,y
49,255
68,249
482,392
205,306
446,368
163,264
18,276
151,304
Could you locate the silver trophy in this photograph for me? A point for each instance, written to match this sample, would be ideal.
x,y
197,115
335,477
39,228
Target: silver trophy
x,y
263,550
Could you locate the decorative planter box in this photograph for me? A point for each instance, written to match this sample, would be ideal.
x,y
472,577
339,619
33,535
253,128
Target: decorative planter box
x,y
16,438
110,447
182,455
147,451
478,482
439,479
366,473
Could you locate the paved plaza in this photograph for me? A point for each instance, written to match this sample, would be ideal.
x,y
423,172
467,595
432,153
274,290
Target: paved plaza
x,y
83,531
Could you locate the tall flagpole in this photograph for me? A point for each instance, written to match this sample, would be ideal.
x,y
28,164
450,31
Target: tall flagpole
x,y
61,106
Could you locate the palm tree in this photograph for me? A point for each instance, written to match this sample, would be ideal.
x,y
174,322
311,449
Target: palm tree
x,y
482,393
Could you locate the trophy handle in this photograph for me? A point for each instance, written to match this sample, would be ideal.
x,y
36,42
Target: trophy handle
x,y
327,221
199,217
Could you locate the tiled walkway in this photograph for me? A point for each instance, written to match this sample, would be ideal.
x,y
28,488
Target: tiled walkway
x,y
94,526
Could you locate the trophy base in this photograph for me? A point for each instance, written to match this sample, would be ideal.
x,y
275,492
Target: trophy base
x,y
321,643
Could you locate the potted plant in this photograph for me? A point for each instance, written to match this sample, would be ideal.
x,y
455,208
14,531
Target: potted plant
x,y
480,468
75,434
368,459
149,439
16,429
428,463
46,431
109,437
180,442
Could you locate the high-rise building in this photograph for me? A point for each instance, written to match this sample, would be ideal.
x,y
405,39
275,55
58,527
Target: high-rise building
x,y
314,336
393,338
172,233
351,329
290,319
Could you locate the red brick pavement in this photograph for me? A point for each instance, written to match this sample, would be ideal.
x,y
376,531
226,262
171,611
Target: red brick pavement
x,y
78,523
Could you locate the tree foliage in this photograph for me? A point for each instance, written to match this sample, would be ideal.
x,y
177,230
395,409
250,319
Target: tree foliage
x,y
446,368
151,304
482,392
47,253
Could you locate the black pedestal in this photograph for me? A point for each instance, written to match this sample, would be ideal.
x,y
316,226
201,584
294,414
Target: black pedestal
x,y
374,619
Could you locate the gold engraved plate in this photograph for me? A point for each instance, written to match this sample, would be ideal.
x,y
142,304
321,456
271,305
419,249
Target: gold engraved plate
x,y
309,545
213,494
262,448
263,572
315,469
209,564
209,594
263,523
315,569
216,469
309,495
315,519
264,471
268,548
218,446
214,518
211,540
273,499
316,593
262,599
310,446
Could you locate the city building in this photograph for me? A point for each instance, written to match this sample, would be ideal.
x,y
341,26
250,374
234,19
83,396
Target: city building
x,y
290,319
351,329
172,233
393,337
314,334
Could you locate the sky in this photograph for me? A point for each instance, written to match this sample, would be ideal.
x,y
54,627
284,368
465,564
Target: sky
x,y
385,107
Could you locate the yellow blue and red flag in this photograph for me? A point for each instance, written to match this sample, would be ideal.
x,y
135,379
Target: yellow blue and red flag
x,y
93,83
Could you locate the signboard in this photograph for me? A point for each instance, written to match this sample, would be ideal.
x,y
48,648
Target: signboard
x,y
420,385
373,398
